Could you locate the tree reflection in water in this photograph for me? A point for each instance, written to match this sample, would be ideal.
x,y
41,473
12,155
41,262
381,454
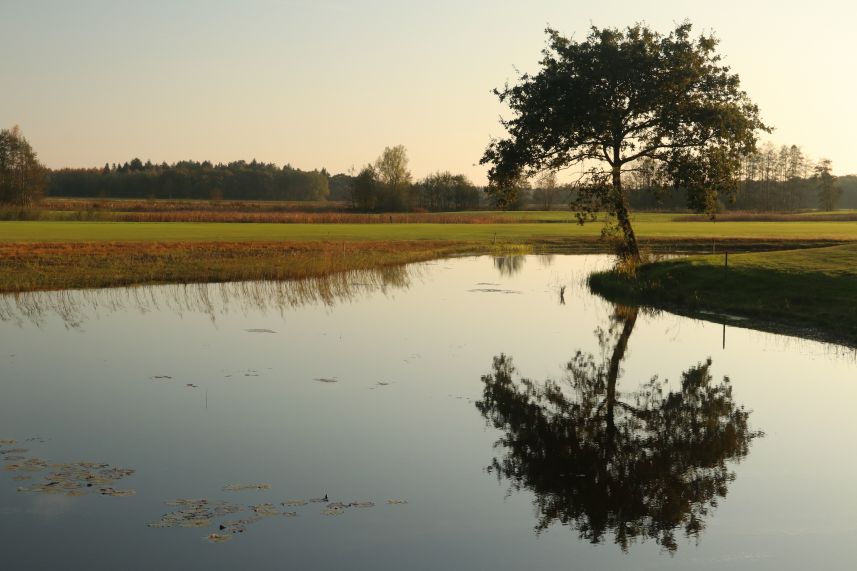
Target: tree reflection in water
x,y
639,465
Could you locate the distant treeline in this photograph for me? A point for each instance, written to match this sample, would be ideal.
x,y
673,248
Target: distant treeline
x,y
237,180
755,196
773,179
382,187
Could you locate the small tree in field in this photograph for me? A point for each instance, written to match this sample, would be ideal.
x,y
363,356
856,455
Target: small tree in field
x,y
22,176
828,192
619,96
392,172
364,189
546,190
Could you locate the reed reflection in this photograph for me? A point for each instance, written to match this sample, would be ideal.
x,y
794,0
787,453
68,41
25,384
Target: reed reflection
x,y
74,307
640,465
509,266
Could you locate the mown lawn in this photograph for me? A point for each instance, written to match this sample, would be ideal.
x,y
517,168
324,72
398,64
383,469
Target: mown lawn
x,y
811,292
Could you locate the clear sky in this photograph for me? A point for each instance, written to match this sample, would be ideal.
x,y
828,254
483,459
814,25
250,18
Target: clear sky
x,y
330,83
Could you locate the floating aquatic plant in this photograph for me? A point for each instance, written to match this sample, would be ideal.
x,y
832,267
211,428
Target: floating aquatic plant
x,y
265,510
246,487
238,525
292,503
218,538
73,479
116,493
195,513
361,505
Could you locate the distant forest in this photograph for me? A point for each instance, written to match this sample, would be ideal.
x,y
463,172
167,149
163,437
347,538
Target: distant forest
x,y
773,179
241,180
237,180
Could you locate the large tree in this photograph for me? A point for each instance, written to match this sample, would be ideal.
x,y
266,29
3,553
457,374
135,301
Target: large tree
x,y
22,176
620,96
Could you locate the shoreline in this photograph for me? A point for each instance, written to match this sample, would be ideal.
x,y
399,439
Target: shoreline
x,y
809,293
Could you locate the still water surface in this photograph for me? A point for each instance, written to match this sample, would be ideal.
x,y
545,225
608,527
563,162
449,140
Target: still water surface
x,y
493,425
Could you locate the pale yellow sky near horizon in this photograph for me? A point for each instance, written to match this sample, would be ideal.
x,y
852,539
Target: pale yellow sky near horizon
x,y
331,83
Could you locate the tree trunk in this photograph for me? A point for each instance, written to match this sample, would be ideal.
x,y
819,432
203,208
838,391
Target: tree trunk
x,y
616,359
630,249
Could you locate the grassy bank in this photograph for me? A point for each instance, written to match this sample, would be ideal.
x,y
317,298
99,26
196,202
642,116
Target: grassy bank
x,y
811,292
37,255
48,266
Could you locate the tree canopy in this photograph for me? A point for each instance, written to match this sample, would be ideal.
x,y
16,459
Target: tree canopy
x,y
620,96
236,180
22,176
828,191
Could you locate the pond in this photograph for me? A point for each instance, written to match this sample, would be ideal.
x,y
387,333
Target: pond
x,y
469,413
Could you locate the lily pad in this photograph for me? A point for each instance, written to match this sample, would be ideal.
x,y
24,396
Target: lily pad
x,y
117,493
74,477
265,510
238,525
292,503
195,513
246,487
361,505
27,465
218,538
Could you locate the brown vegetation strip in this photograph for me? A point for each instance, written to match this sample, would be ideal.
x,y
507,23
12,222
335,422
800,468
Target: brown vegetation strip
x,y
284,217
166,205
47,266
307,217
771,217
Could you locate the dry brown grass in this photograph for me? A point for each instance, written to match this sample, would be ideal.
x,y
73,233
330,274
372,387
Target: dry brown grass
x,y
306,217
82,209
48,266
179,205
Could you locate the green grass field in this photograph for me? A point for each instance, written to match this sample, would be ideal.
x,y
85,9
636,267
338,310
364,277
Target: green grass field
x,y
648,226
